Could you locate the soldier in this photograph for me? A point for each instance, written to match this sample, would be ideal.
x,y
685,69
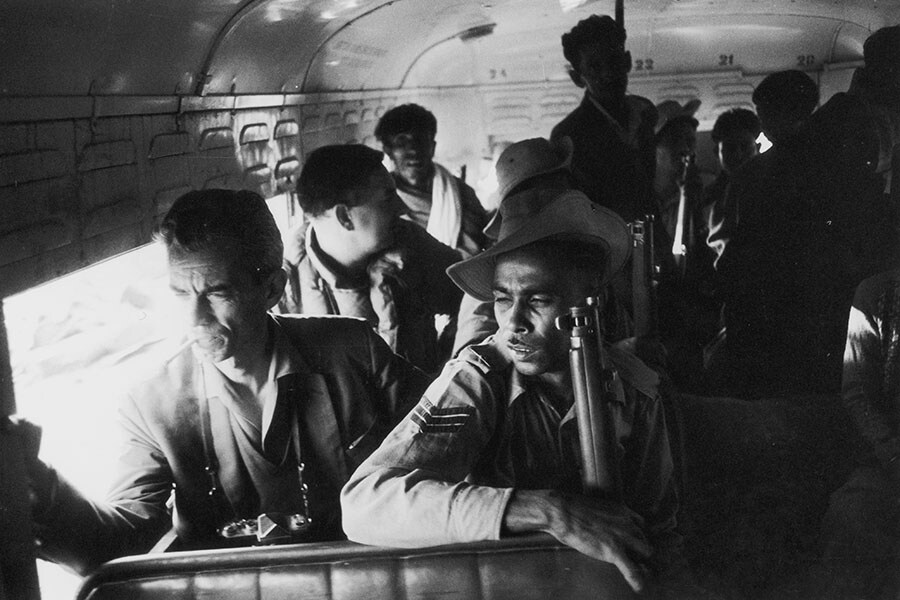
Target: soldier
x,y
492,448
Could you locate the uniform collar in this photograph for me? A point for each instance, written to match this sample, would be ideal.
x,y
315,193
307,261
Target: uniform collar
x,y
490,356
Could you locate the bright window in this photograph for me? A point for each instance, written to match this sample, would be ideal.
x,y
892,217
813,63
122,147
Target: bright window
x,y
76,344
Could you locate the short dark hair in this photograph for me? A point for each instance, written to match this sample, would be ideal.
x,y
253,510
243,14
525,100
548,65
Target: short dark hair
x,y
405,118
330,172
881,50
592,30
792,93
214,219
734,121
670,131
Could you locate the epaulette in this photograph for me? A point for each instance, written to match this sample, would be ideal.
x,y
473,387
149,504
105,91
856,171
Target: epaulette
x,y
634,372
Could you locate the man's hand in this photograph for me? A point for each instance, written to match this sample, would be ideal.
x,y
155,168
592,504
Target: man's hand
x,y
41,479
607,531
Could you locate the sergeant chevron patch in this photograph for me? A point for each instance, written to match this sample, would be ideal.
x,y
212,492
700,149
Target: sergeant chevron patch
x,y
432,419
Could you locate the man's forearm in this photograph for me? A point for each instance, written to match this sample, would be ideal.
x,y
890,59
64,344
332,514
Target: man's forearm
x,y
81,534
411,509
528,510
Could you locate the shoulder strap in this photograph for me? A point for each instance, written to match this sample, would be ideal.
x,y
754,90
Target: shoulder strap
x,y
634,372
211,468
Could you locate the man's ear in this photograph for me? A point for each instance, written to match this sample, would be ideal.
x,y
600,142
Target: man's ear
x,y
275,287
342,214
575,76
628,64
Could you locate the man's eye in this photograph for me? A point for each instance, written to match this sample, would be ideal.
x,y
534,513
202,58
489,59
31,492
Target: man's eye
x,y
501,300
541,301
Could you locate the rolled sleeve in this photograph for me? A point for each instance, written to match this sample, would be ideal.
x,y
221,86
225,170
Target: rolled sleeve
x,y
412,491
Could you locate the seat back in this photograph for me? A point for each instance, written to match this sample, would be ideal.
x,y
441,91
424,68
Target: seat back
x,y
531,567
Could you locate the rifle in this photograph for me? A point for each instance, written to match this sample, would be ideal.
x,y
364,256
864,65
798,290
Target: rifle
x,y
684,226
644,277
592,383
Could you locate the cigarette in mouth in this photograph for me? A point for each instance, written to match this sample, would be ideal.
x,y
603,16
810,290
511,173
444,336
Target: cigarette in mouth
x,y
190,340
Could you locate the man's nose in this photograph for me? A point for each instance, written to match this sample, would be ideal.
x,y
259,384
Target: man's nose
x,y
517,318
197,310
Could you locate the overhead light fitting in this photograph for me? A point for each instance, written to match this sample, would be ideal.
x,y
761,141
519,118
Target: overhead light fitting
x,y
477,32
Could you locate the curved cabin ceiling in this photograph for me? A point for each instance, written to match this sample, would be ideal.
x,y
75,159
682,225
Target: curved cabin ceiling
x,y
212,47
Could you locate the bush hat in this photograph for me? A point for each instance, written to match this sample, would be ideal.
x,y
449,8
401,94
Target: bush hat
x,y
535,215
671,110
522,161
529,158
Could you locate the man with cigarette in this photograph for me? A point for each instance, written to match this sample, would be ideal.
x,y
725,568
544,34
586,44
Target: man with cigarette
x,y
256,422
492,448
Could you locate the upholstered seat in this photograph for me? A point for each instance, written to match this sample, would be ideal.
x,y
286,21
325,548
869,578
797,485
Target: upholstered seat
x,y
531,567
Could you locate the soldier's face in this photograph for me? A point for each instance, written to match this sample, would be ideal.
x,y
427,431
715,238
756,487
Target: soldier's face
x,y
531,289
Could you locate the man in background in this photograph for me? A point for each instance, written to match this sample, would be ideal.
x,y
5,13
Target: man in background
x,y
612,131
821,218
784,101
435,199
357,257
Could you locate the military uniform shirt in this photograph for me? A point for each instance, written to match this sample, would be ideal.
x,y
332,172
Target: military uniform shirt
x,y
447,471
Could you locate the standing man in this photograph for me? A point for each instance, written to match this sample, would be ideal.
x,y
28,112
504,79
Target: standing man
x,y
492,448
784,101
734,135
435,199
812,219
612,131
676,172
356,256
254,414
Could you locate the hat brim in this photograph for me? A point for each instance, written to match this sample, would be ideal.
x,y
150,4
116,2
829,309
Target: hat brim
x,y
564,219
